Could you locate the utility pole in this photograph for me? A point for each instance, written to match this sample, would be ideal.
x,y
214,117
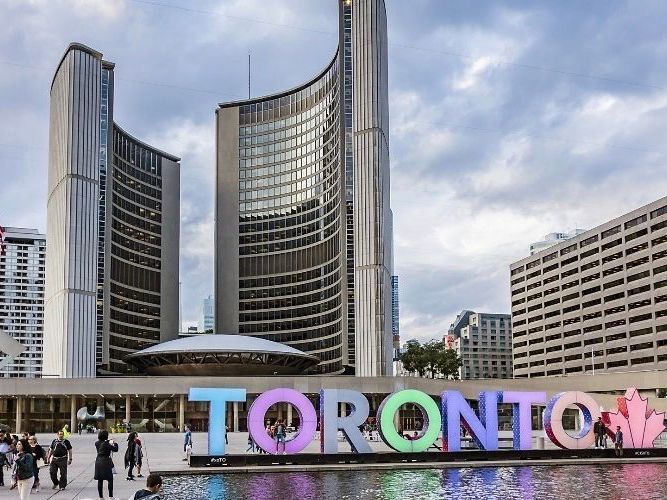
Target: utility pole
x,y
248,75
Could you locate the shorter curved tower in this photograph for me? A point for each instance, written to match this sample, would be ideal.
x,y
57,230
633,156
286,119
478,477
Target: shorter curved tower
x,y
112,229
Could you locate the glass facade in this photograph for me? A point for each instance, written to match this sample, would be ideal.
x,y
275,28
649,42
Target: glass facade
x,y
290,220
136,239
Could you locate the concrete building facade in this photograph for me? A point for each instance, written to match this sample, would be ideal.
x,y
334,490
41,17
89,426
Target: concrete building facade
x,y
596,302
22,269
113,225
303,226
483,341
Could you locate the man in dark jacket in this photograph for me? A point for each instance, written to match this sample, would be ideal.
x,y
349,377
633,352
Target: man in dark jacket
x,y
599,429
150,492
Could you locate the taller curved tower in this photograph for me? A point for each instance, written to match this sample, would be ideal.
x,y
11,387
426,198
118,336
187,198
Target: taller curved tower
x,y
303,236
112,229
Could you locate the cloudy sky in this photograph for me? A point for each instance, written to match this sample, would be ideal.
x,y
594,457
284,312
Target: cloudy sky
x,y
509,119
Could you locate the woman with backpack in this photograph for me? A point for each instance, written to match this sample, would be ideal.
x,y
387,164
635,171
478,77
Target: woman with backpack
x,y
24,469
131,455
103,462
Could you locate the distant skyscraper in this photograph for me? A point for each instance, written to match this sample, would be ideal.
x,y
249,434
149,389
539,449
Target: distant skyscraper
x,y
552,239
303,234
207,315
22,298
395,326
113,226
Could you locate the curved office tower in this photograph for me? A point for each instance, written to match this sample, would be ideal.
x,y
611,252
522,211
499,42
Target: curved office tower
x,y
302,206
112,228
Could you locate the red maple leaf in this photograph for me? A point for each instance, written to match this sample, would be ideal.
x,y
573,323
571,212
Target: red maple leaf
x,y
640,425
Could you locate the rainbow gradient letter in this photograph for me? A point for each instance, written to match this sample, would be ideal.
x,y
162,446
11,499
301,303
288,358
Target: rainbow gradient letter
x,y
457,412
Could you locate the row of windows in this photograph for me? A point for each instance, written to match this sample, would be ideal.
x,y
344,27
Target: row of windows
x,y
588,241
322,290
135,154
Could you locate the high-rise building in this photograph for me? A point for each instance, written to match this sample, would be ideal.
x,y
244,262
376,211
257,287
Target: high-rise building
x,y
303,231
395,316
552,239
207,315
113,228
484,343
596,302
22,298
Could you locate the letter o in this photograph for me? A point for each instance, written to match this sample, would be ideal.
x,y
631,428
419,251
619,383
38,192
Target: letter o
x,y
303,406
430,414
553,420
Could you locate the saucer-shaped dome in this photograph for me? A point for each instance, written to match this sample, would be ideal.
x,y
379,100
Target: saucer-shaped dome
x,y
221,355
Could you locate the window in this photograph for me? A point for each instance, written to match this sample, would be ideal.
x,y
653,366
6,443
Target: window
x,y
550,257
610,232
659,212
636,235
636,221
568,249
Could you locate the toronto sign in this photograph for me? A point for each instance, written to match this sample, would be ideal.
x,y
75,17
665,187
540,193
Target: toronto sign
x,y
640,425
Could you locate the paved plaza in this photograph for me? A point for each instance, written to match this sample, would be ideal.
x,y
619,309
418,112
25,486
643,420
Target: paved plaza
x,y
163,452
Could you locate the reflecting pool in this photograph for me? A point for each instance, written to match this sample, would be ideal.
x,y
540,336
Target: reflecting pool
x,y
623,481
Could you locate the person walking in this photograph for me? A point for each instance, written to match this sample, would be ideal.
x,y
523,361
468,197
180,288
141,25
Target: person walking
x,y
599,429
226,434
131,455
66,431
187,442
251,444
104,463
5,447
60,455
37,453
24,469
80,427
618,442
140,454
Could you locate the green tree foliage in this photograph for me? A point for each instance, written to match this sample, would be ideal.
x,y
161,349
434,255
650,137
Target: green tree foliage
x,y
433,358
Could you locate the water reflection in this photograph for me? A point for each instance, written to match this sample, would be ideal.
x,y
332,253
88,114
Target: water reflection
x,y
631,481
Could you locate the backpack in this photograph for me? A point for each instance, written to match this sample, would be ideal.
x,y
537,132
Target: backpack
x,y
57,447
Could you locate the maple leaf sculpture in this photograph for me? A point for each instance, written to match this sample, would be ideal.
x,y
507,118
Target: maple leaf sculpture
x,y
640,426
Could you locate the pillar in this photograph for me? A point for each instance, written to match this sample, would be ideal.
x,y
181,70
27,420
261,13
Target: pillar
x,y
19,413
289,414
235,405
181,412
73,425
128,408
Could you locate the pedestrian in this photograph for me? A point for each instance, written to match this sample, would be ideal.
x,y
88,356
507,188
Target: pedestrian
x,y
24,469
187,442
80,427
251,444
37,453
59,456
618,442
599,429
140,454
150,492
103,462
66,431
226,432
280,436
131,455
5,446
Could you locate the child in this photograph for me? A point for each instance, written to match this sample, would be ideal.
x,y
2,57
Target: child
x,y
150,492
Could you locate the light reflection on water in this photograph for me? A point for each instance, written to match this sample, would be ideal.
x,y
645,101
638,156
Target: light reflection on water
x,y
629,481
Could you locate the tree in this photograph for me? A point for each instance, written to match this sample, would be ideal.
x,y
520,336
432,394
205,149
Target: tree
x,y
413,359
434,358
